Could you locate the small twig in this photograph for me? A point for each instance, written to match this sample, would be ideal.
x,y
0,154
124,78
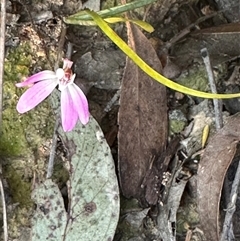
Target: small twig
x,y
53,149
5,225
112,101
227,233
217,103
69,50
2,52
146,11
60,45
235,73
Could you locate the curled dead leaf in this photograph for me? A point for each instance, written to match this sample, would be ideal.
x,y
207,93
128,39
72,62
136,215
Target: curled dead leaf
x,y
213,166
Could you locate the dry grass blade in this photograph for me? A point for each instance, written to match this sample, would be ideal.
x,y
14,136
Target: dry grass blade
x,y
142,117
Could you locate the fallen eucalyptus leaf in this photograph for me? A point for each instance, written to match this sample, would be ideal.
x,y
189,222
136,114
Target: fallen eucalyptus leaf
x,y
213,166
93,196
143,124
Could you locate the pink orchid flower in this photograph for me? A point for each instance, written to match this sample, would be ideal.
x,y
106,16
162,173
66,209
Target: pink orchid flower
x,y
74,104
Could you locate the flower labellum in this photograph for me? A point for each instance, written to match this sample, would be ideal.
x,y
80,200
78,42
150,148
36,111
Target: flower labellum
x,y
74,104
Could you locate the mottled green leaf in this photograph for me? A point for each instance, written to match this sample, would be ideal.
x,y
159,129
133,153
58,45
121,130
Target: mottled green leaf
x,y
50,217
93,195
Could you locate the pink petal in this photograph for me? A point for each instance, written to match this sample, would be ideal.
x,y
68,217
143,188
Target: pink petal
x,y
68,114
35,94
43,75
80,103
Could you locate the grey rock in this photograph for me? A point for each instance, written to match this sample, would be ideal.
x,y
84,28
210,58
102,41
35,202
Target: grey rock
x,y
102,69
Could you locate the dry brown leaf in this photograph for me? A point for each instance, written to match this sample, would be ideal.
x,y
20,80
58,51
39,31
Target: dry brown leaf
x,y
143,122
213,166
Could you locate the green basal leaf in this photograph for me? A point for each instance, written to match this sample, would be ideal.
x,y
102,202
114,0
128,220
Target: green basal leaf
x,y
93,195
50,216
